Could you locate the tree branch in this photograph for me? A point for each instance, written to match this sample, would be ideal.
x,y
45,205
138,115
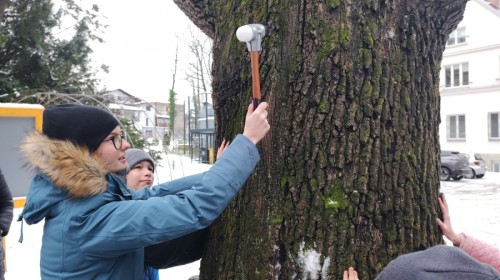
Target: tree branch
x,y
199,12
451,11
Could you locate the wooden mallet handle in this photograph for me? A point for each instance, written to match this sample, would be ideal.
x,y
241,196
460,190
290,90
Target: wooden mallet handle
x,y
254,57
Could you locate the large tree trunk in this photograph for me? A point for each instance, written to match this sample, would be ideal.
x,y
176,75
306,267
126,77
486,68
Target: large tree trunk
x,y
349,171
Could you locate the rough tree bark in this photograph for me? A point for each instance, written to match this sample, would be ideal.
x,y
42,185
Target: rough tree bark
x,y
3,5
349,174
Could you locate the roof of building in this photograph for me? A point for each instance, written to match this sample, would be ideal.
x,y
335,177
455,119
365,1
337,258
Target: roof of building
x,y
124,107
491,5
122,92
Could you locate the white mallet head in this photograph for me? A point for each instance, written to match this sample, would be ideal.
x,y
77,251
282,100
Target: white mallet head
x,y
244,33
251,34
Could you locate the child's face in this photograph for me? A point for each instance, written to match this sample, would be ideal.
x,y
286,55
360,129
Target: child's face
x,y
114,160
140,175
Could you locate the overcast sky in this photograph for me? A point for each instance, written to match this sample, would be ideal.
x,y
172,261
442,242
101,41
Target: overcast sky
x,y
140,47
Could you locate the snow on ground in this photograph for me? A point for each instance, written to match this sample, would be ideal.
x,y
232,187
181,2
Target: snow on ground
x,y
474,206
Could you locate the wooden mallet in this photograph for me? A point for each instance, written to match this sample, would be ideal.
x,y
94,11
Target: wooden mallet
x,y
252,34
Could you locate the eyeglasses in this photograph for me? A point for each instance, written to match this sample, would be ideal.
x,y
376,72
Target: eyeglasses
x,y
117,141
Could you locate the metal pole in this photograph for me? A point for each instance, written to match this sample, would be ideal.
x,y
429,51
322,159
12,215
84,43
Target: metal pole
x,y
184,131
206,110
189,129
206,123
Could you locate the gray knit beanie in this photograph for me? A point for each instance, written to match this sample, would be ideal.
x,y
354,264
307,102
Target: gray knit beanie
x,y
440,262
134,156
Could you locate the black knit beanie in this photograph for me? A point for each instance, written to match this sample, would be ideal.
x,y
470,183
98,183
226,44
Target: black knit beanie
x,y
83,125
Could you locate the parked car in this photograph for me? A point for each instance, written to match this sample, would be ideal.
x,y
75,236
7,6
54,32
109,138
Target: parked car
x,y
477,166
454,165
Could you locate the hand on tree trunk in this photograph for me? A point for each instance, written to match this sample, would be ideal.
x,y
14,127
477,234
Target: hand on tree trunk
x,y
445,224
222,147
350,274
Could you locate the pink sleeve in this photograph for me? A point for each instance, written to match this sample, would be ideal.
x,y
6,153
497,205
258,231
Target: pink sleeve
x,y
481,251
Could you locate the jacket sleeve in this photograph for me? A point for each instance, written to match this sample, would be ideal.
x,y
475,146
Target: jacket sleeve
x,y
168,188
122,226
481,251
6,206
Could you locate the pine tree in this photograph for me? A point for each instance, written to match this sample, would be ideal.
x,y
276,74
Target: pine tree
x,y
40,54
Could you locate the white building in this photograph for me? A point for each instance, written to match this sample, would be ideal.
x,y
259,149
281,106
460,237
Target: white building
x,y
470,84
144,115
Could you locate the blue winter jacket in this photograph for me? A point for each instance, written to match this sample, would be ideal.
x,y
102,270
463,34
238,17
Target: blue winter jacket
x,y
96,228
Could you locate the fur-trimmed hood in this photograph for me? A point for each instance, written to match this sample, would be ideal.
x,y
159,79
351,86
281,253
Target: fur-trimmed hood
x,y
70,167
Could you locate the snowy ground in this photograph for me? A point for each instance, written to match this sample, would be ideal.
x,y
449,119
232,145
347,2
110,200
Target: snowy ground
x,y
474,206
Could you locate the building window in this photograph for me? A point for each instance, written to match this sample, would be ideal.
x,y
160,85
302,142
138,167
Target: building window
x,y
494,125
457,37
456,75
136,116
161,122
496,166
456,127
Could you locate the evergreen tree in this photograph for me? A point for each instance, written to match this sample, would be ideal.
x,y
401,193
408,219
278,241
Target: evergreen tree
x,y
39,54
171,111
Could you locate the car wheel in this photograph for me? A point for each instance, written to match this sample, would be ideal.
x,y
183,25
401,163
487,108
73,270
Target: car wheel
x,y
457,178
480,176
445,174
472,174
